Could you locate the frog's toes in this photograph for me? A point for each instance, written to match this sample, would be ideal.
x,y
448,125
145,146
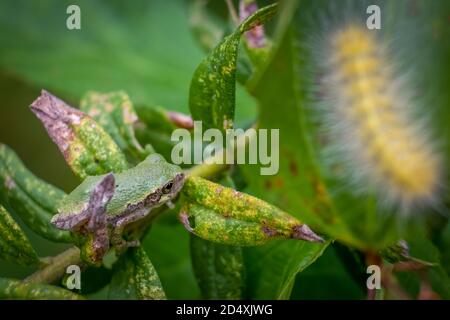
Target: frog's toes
x,y
70,222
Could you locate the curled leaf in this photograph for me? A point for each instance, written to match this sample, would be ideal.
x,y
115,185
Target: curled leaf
x,y
85,145
399,254
226,216
256,43
15,289
14,245
213,86
114,111
219,269
29,197
135,278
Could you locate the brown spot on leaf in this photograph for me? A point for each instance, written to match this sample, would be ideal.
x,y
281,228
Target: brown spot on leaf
x,y
293,168
269,231
278,182
9,183
57,118
237,194
268,184
304,232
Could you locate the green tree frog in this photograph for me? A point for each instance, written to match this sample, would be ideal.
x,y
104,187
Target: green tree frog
x,y
99,209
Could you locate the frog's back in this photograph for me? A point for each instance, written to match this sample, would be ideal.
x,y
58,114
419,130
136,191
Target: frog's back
x,y
135,184
131,186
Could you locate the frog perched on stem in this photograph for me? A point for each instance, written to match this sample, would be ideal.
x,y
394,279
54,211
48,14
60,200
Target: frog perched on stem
x,y
100,208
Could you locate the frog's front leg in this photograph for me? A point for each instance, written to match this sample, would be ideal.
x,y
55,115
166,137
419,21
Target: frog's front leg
x,y
97,226
118,227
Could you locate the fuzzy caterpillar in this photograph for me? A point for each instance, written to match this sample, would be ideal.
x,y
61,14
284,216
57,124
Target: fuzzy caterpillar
x,y
371,124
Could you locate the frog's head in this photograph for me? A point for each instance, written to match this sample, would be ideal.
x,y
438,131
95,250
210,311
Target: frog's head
x,y
170,179
172,187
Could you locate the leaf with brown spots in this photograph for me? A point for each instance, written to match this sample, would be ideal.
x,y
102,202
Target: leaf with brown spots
x,y
226,216
213,86
16,289
85,145
114,111
29,197
135,278
14,245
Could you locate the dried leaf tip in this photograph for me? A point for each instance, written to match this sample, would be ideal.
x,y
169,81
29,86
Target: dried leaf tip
x,y
85,145
47,105
56,116
305,233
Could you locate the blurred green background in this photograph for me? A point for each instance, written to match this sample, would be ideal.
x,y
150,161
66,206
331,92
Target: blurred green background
x,y
149,49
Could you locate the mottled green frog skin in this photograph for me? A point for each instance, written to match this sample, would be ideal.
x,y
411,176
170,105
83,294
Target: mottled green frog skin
x,y
132,187
100,208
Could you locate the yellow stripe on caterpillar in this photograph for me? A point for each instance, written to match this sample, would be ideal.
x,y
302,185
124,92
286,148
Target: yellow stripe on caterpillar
x,y
370,112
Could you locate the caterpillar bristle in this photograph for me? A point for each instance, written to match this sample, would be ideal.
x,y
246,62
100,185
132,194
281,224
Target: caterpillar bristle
x,y
371,124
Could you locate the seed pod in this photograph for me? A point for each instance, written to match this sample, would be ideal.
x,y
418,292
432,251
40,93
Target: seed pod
x,y
14,245
114,111
15,289
85,145
226,216
29,197
135,278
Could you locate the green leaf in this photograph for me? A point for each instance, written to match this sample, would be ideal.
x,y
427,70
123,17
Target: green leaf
x,y
122,286
14,245
272,268
29,197
114,111
135,278
256,43
219,269
213,86
226,216
328,278
423,249
156,129
15,289
167,245
85,145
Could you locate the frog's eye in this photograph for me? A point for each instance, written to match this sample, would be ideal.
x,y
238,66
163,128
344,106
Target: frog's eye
x,y
166,189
